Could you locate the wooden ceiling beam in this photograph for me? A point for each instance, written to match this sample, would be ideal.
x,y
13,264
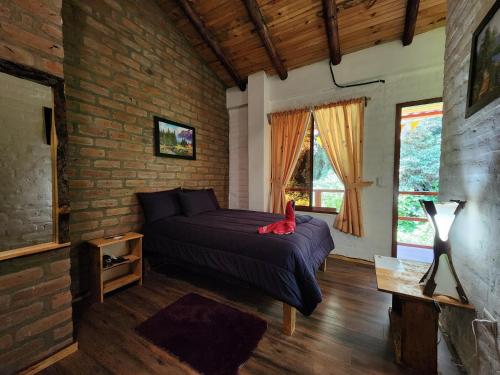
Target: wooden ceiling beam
x,y
332,30
261,27
410,21
207,36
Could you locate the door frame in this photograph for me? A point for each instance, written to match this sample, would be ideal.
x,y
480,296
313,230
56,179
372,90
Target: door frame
x,y
397,149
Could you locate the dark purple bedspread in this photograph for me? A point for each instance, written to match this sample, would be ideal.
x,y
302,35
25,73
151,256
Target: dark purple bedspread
x,y
227,241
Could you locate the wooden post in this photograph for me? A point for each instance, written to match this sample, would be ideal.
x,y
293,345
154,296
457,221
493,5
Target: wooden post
x,y
205,34
289,317
410,21
322,268
261,27
332,30
317,198
419,330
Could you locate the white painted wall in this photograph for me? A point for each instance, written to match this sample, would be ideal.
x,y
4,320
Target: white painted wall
x,y
238,162
259,142
411,73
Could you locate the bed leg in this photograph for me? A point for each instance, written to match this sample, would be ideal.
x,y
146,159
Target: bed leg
x,y
289,316
322,268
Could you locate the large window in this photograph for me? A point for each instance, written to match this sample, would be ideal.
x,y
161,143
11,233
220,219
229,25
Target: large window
x,y
314,186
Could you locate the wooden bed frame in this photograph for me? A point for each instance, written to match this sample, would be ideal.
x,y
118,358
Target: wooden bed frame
x,y
290,313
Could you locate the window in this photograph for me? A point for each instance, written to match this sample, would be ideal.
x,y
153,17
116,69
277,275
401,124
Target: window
x,y
314,185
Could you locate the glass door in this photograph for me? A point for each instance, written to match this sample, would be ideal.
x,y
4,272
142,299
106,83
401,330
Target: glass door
x,y
416,176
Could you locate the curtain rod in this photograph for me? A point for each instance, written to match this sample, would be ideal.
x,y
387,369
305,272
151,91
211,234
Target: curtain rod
x,y
311,108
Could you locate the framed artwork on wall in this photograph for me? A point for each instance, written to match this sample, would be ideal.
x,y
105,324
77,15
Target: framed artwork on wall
x,y
174,140
484,71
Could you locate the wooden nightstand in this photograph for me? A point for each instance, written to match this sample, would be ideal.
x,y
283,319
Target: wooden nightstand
x,y
413,316
107,279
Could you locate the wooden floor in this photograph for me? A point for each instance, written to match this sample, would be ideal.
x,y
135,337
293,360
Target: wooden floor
x,y
347,334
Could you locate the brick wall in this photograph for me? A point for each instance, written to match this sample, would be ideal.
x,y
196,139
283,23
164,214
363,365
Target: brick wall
x,y
31,34
125,63
35,308
35,298
470,170
26,164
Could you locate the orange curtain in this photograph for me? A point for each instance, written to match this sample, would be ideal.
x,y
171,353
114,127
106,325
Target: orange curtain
x,y
340,128
287,134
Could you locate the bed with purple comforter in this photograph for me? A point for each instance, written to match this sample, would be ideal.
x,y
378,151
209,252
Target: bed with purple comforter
x,y
226,241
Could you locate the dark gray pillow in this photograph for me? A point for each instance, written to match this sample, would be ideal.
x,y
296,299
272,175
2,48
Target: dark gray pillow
x,y
211,193
196,202
160,204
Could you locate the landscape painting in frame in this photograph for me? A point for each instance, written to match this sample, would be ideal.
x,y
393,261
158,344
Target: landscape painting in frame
x,y
484,75
174,140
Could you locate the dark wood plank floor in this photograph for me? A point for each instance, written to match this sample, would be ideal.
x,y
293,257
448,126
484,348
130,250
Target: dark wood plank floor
x,y
347,334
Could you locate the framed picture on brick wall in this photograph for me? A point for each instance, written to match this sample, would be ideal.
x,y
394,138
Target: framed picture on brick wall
x,y
484,71
174,140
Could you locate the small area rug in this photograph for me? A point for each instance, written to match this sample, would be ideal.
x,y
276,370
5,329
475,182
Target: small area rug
x,y
211,337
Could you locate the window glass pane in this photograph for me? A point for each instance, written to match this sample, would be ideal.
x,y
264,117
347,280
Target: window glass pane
x,y
415,232
299,186
420,152
328,190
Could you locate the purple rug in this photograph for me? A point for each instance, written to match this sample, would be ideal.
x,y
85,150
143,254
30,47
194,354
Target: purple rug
x,y
212,338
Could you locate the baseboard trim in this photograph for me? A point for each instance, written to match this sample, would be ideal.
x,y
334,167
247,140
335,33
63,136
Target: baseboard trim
x,y
49,361
344,258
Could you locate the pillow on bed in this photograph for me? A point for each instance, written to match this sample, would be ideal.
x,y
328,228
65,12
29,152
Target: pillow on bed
x,y
196,202
160,204
211,193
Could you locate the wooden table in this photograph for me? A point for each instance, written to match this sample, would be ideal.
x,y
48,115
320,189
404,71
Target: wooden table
x,y
414,317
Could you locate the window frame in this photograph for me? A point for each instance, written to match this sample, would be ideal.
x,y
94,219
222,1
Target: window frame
x,y
311,208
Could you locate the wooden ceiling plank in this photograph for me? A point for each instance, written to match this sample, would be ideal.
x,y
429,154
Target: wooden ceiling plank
x,y
332,30
410,21
210,40
256,16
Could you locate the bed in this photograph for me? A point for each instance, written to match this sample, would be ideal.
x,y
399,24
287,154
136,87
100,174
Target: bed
x,y
226,241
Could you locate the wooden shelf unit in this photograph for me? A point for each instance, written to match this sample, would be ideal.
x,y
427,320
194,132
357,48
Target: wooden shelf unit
x,y
107,279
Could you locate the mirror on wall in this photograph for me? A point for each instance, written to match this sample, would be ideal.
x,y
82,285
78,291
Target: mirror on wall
x,y
26,195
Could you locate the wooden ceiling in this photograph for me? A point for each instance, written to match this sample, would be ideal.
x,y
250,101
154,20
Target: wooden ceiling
x,y
296,29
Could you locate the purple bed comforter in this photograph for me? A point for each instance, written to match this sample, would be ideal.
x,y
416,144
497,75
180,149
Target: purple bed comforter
x,y
227,241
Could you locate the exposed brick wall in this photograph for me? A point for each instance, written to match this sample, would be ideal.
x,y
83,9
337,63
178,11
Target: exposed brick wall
x,y
125,63
31,34
35,308
35,298
470,170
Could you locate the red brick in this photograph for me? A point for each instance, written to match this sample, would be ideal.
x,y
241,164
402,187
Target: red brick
x,y
96,89
20,278
108,124
42,325
80,184
73,139
60,266
109,222
20,315
92,152
106,164
61,299
5,342
4,302
117,211
110,183
63,331
105,203
20,297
